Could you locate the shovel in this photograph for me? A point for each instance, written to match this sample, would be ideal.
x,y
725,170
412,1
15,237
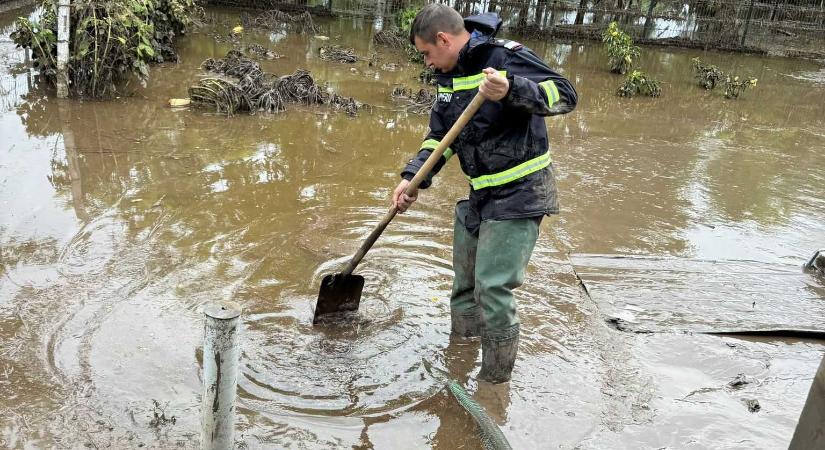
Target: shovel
x,y
341,292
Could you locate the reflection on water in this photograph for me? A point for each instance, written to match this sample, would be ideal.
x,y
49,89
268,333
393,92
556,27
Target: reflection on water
x,y
121,218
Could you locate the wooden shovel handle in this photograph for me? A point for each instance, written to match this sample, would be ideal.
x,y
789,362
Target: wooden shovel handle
x,y
425,169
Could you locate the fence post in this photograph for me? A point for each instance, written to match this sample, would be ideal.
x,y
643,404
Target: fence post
x,y
747,23
63,11
220,374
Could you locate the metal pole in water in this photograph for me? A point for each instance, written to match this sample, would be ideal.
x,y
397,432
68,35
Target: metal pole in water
x,y
747,24
63,10
220,374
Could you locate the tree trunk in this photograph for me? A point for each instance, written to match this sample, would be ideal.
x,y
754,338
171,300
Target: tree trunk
x,y
522,15
598,13
541,7
580,12
649,18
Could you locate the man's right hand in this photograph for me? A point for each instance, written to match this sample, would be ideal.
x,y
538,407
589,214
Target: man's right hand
x,y
400,199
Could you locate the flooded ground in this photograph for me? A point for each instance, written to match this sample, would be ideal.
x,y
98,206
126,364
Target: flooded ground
x,y
682,214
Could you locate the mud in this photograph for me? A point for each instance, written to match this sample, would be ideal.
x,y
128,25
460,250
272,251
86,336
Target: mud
x,y
121,219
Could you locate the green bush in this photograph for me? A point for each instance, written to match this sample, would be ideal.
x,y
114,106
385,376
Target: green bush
x,y
707,74
735,86
621,53
405,17
639,83
110,41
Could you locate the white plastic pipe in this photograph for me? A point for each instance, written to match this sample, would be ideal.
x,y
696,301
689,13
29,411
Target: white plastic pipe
x,y
63,10
220,374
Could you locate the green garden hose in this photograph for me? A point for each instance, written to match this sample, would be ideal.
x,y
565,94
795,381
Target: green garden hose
x,y
491,436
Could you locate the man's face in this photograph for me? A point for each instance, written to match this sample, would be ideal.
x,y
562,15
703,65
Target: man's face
x,y
442,54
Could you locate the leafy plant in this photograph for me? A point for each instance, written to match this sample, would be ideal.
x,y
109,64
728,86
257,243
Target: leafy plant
x,y
110,40
735,86
621,53
707,74
405,17
639,83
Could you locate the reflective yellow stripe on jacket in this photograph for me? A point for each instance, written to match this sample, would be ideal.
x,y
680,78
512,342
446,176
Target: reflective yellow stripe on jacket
x,y
551,90
467,83
432,144
511,174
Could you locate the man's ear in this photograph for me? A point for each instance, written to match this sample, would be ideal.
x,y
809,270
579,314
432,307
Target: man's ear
x,y
442,39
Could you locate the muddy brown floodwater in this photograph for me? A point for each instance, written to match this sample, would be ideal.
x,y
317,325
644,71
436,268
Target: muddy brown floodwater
x,y
686,213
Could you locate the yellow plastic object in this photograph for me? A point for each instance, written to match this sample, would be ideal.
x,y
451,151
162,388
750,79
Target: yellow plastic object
x,y
237,30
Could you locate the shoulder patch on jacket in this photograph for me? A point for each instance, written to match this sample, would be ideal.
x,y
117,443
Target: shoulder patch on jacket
x,y
508,44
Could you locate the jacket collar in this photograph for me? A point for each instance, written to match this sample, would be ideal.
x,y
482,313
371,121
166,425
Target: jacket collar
x,y
483,29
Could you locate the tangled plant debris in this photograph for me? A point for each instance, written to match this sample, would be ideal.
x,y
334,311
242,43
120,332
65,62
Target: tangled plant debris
x,y
241,85
398,36
390,38
420,102
261,52
427,76
338,53
739,381
276,19
159,418
110,41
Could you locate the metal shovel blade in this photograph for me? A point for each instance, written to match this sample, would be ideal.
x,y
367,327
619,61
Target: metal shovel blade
x,y
339,293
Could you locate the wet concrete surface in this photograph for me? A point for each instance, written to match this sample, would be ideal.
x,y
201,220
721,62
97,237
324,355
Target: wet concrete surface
x,y
687,213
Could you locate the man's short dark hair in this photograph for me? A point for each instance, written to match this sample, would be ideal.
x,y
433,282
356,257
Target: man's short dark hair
x,y
433,19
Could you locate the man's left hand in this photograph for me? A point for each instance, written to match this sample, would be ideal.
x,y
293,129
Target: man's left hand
x,y
493,87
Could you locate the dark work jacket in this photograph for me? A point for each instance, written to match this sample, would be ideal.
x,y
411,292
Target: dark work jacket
x,y
502,135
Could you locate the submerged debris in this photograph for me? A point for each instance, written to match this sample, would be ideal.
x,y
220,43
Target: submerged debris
x,y
427,76
420,102
753,405
817,262
620,324
396,38
243,86
278,19
159,412
261,52
390,38
221,37
739,381
338,53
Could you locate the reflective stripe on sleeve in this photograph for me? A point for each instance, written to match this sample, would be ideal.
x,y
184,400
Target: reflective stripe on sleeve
x,y
467,83
431,144
551,90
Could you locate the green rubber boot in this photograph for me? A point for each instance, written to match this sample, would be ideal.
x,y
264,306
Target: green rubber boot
x,y
503,251
498,358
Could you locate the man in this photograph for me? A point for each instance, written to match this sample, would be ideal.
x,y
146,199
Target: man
x,y
504,151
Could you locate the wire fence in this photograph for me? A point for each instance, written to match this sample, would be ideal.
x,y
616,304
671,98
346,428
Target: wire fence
x,y
789,27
